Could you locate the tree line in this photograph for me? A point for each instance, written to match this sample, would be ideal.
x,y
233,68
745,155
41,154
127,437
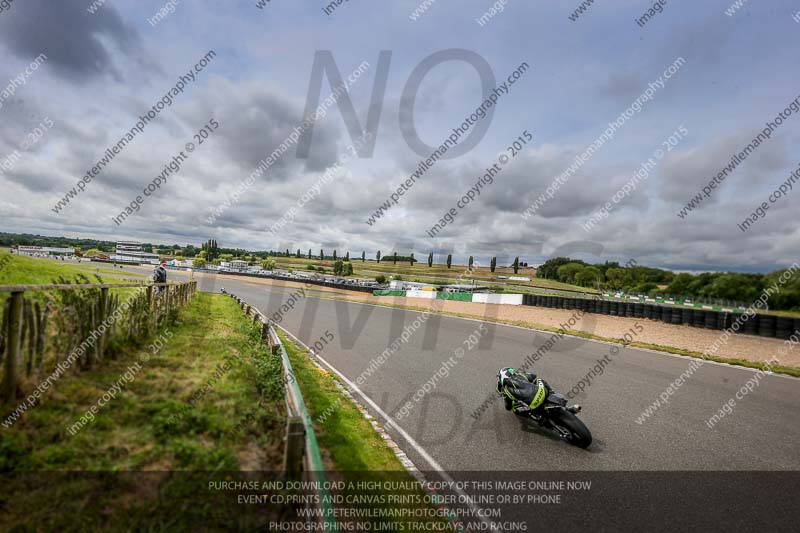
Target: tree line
x,y
632,278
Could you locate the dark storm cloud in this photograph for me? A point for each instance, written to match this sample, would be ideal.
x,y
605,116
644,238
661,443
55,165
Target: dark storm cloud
x,y
257,120
687,171
70,37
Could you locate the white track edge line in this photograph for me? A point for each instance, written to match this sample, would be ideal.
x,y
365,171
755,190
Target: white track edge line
x,y
414,444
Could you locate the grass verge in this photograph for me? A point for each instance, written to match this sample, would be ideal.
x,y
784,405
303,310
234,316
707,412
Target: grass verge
x,y
209,400
21,270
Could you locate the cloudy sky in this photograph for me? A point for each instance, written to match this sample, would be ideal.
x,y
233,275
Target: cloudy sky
x,y
104,70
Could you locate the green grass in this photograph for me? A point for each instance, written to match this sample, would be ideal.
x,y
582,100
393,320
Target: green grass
x,y
93,268
21,270
349,443
151,424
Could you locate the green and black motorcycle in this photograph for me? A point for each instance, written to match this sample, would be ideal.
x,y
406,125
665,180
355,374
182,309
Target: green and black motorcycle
x,y
531,397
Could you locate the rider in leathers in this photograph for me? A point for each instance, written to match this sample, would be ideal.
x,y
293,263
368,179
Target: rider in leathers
x,y
505,379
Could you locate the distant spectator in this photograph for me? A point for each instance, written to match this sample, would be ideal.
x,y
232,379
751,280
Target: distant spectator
x,y
160,275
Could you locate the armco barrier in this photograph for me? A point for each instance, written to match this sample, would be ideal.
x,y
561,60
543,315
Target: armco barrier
x,y
759,324
302,457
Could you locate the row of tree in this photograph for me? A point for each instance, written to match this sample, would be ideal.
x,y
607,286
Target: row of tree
x,y
210,252
394,258
89,246
710,286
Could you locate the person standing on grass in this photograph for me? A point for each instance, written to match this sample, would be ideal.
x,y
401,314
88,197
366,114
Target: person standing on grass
x,y
160,275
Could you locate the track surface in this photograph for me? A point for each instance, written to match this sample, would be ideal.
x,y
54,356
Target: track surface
x,y
762,433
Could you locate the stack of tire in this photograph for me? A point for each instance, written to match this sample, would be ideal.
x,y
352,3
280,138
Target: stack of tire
x,y
763,325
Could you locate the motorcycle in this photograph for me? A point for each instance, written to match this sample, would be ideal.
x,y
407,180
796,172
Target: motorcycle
x,y
547,408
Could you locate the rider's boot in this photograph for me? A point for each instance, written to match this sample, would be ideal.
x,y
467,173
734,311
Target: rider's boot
x,y
521,409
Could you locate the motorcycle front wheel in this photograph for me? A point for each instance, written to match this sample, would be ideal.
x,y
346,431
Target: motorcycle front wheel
x,y
571,428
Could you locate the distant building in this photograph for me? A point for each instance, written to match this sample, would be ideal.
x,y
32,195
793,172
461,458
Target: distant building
x,y
131,252
410,285
364,282
43,251
236,265
464,287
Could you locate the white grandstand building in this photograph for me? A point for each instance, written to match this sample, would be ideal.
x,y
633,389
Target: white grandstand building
x,y
131,252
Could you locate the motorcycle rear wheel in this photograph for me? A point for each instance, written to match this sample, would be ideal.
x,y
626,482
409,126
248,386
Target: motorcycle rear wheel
x,y
575,431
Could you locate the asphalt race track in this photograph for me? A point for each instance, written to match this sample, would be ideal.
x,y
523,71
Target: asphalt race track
x,y
762,433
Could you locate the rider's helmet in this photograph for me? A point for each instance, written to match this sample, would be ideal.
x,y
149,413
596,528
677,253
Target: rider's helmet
x,y
505,373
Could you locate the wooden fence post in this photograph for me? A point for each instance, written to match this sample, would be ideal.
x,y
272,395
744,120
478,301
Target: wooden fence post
x,y
150,313
29,316
14,343
102,340
166,304
295,448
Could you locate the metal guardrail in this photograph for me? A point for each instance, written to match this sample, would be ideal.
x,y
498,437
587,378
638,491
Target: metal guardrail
x,y
301,454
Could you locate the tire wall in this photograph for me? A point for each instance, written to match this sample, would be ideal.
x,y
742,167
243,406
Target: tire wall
x,y
762,325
